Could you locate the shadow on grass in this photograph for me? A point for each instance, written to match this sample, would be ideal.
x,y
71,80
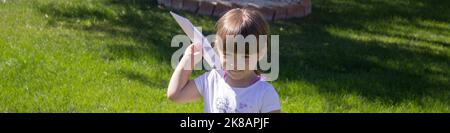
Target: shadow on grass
x,y
357,47
379,49
140,20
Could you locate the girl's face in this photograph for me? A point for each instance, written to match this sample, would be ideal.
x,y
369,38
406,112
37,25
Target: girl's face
x,y
229,62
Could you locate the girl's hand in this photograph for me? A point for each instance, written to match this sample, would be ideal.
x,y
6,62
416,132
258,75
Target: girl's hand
x,y
192,56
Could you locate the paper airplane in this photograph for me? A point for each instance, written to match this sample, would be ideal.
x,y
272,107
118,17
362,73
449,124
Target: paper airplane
x,y
197,37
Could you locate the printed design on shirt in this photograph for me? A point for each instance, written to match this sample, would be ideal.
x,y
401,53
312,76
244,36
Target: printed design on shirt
x,y
223,105
242,106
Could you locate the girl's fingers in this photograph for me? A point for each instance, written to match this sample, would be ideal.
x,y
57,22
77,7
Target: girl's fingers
x,y
196,47
197,53
195,56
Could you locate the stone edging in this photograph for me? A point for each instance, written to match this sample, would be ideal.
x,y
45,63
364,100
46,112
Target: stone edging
x,y
270,10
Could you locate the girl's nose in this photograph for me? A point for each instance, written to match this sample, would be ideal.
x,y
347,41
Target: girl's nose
x,y
230,66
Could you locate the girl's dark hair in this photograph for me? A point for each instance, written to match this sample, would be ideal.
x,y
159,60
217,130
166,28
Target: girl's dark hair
x,y
241,21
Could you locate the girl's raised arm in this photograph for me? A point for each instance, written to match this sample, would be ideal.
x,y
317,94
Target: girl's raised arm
x,y
181,89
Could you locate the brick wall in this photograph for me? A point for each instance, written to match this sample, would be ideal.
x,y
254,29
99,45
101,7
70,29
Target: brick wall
x,y
270,10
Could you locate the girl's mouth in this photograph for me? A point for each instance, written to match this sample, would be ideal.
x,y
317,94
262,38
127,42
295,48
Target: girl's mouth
x,y
234,71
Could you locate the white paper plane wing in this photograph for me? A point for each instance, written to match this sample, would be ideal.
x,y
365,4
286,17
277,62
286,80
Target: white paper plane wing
x,y
197,37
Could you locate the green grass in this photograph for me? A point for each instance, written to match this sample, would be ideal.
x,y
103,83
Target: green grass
x,y
114,56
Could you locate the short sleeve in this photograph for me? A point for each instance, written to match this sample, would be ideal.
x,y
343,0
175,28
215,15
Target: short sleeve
x,y
202,82
270,101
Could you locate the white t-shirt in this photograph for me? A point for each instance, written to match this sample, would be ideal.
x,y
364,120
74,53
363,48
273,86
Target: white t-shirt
x,y
219,97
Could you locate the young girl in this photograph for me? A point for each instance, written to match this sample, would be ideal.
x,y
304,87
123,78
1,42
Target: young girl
x,y
226,91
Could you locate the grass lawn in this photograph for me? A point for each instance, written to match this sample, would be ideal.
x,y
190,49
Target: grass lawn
x,y
114,56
